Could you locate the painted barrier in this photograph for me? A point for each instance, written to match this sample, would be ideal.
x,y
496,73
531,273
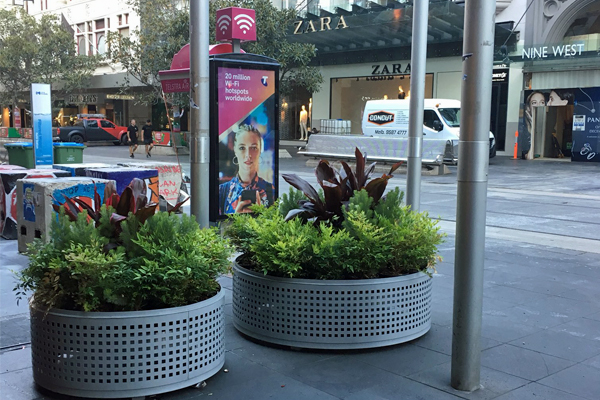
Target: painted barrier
x,y
169,178
123,176
36,196
8,195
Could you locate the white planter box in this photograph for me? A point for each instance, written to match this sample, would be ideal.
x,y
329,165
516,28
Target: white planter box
x,y
331,314
127,354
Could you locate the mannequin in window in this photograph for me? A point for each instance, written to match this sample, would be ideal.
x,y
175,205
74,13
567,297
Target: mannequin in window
x,y
401,94
303,120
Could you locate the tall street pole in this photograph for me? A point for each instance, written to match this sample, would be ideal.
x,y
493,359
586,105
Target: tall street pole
x,y
417,96
199,111
473,159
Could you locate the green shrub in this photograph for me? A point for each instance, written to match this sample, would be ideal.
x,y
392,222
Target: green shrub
x,y
109,263
369,241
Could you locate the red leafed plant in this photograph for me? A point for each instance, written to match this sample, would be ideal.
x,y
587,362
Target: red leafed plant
x,y
338,188
133,200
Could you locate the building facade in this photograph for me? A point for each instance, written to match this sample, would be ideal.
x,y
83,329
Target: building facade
x,y
363,53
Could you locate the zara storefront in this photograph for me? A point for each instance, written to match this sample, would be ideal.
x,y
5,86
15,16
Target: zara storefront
x,y
365,53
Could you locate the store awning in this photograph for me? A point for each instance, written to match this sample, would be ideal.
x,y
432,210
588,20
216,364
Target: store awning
x,y
359,34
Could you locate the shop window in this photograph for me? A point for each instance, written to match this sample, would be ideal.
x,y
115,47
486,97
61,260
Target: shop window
x,y
350,94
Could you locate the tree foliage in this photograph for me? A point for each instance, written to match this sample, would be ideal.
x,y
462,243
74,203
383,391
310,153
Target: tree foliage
x,y
38,51
165,29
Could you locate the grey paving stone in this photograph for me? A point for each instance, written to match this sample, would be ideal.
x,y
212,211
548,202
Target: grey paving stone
x,y
494,383
401,388
18,385
581,327
339,377
595,317
14,330
250,381
593,362
504,328
439,339
280,358
581,380
233,339
511,294
15,359
403,359
535,391
560,344
524,363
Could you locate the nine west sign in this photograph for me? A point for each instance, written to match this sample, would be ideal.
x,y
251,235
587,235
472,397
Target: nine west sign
x,y
320,25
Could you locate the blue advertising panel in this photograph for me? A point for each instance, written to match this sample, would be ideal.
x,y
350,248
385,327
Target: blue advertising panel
x,y
586,125
41,104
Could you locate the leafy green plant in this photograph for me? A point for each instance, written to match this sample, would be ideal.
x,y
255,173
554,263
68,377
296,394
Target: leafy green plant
x,y
368,241
123,259
338,188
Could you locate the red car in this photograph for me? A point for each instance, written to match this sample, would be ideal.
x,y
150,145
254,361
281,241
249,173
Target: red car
x,y
93,130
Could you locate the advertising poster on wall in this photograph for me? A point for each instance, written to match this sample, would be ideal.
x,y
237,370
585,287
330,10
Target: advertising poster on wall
x,y
41,104
577,132
247,138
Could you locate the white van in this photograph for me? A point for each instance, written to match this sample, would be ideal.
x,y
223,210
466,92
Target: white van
x,y
441,120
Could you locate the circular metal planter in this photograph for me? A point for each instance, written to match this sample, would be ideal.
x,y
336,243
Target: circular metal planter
x,y
130,353
334,314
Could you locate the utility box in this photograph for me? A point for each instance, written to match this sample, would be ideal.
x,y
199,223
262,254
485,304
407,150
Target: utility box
x,y
80,169
36,196
123,176
8,194
169,179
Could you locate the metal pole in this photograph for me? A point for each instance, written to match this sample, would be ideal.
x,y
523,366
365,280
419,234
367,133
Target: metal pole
x,y
199,111
473,159
417,96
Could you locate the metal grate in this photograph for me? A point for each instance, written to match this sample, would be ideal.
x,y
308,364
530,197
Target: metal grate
x,y
331,314
127,354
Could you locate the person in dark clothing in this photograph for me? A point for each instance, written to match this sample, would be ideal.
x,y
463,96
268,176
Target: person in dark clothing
x,y
132,138
147,136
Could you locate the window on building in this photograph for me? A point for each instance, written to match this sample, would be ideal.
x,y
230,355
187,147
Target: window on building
x,y
89,26
80,28
101,43
90,46
99,24
124,32
81,45
126,19
120,18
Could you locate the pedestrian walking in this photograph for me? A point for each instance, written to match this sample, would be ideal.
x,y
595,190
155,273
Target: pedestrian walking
x,y
147,136
132,138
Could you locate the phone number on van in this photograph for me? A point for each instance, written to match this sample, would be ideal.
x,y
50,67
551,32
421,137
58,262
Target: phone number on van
x,y
391,132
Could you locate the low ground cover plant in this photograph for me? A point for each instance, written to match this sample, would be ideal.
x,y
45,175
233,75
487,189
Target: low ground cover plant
x,y
123,256
347,230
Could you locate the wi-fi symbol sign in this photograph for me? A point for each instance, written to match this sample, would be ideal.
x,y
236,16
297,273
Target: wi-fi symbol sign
x,y
244,22
223,23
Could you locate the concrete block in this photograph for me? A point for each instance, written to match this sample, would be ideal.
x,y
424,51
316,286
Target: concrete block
x,y
8,194
169,178
36,196
80,169
123,176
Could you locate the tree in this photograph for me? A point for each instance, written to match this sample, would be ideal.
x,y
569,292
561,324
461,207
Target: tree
x,y
165,29
272,30
38,51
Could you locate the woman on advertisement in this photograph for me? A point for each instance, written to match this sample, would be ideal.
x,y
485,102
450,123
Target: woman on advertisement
x,y
246,187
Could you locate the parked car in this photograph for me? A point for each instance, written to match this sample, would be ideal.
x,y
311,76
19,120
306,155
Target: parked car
x,y
93,130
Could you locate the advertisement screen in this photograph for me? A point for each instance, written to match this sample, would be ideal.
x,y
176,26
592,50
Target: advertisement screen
x,y
41,104
247,130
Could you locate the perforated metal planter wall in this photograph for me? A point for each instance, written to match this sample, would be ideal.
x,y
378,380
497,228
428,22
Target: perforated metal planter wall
x,y
338,314
127,354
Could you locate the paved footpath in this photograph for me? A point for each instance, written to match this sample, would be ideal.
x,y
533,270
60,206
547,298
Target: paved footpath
x,y
541,311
